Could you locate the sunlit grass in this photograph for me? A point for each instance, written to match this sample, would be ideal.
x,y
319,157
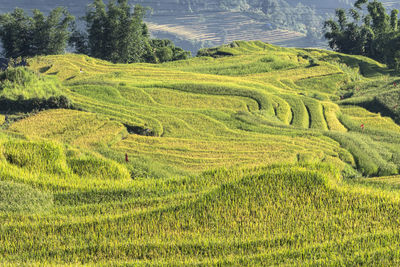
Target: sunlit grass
x,y
248,162
71,127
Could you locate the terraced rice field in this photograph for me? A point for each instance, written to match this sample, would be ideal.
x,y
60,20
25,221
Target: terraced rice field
x,y
195,106
272,99
234,26
250,158
79,129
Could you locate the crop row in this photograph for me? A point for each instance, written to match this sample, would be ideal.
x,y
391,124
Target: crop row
x,y
271,213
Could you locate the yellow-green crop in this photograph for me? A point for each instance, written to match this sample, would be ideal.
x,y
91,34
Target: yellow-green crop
x,y
254,158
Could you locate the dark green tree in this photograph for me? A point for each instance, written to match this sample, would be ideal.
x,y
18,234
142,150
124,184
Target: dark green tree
x,y
95,24
79,41
164,50
51,33
118,34
15,33
114,32
372,35
394,19
24,36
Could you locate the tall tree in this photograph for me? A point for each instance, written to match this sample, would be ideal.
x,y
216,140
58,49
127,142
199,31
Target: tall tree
x,y
24,36
51,33
116,32
95,23
372,36
394,19
15,33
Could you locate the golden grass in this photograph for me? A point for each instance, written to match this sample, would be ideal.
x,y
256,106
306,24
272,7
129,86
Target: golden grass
x,y
248,165
370,120
331,111
2,119
72,127
201,99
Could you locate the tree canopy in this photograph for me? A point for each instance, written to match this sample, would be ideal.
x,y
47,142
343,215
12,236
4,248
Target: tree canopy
x,y
114,32
24,36
117,33
367,29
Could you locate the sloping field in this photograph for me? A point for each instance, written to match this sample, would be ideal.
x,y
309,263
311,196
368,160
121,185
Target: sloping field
x,y
209,27
303,219
278,101
252,155
77,128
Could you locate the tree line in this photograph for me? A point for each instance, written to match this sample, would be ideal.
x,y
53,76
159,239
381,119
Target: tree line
x,y
368,30
114,32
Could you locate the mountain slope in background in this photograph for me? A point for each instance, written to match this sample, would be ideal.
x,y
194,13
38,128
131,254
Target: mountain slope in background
x,y
193,24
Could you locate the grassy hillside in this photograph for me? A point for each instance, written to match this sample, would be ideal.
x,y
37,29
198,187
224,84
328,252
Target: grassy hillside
x,y
250,155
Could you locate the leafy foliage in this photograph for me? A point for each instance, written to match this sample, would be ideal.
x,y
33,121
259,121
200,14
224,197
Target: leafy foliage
x,y
164,51
23,90
118,34
24,36
375,35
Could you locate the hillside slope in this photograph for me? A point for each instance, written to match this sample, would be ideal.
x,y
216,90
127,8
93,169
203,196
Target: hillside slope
x,y
244,156
247,104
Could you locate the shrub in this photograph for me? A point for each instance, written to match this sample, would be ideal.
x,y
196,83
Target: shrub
x,y
28,105
22,82
22,90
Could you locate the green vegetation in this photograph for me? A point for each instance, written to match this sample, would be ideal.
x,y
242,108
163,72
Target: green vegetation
x,y
274,215
44,156
24,36
114,33
22,90
76,128
22,83
23,198
118,34
375,34
251,155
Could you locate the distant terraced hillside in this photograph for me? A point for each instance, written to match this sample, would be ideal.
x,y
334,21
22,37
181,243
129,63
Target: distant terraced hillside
x,y
196,24
210,28
191,26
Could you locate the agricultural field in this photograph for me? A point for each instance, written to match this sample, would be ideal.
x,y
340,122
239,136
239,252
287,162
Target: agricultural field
x,y
251,154
208,27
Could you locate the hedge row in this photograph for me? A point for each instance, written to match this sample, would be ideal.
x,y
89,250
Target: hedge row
x,y
28,105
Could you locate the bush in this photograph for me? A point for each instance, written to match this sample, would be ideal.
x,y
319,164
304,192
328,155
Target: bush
x,y
22,82
28,105
22,90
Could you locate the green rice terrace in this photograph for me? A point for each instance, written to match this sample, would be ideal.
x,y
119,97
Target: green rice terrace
x,y
250,154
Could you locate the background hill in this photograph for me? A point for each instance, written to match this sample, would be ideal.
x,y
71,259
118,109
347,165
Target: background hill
x,y
193,24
